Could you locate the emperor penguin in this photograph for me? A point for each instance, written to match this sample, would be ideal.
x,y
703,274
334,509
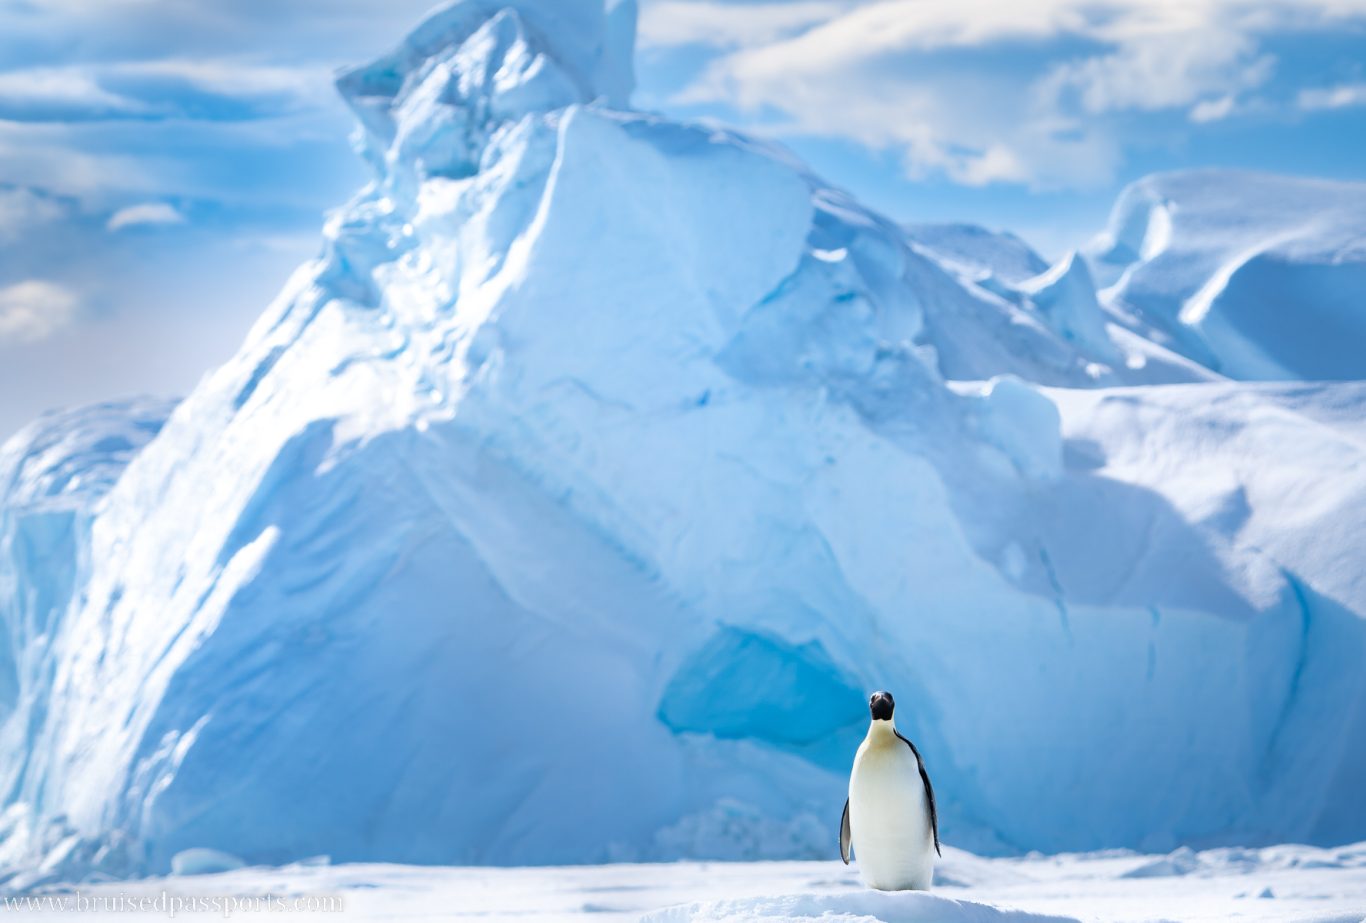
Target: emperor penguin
x,y
890,819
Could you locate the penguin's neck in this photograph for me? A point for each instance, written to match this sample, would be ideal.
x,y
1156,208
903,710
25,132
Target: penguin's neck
x,y
881,733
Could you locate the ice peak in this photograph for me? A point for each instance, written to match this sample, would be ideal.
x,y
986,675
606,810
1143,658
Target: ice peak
x,y
1066,295
473,65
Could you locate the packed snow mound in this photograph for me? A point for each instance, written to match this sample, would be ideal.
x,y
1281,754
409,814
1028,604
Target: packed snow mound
x,y
1290,882
567,507
1252,275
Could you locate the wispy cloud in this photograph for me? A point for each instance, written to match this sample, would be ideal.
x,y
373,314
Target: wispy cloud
x,y
60,94
334,31
35,310
153,213
231,77
982,91
220,89
1213,110
57,158
730,25
24,210
1341,96
1162,71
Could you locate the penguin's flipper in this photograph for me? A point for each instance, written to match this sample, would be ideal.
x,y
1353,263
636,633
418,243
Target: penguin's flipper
x,y
844,833
929,792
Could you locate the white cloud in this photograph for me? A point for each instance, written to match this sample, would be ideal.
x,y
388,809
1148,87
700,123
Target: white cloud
x,y
969,89
997,163
63,91
1212,110
22,210
872,29
729,25
333,31
240,79
155,88
845,79
1163,71
146,213
102,166
35,310
1338,97
58,157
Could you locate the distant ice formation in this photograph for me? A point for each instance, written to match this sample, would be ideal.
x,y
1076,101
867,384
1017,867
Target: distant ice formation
x,y
1254,276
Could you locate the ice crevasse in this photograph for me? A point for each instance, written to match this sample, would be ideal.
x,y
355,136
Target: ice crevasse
x,y
568,505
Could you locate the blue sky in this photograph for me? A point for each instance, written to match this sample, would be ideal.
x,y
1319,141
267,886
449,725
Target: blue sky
x,y
164,164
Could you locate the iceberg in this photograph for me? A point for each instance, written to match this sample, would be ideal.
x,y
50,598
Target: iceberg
x,y
567,505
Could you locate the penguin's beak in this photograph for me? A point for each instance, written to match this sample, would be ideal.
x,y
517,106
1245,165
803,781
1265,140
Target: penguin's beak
x,y
880,705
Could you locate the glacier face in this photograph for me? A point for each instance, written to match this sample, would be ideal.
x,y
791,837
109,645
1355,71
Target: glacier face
x,y
54,475
568,505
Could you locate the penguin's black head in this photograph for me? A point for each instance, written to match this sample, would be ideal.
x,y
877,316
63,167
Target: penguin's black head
x,y
881,705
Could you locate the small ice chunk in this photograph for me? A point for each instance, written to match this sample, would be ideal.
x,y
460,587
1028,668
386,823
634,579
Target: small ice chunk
x,y
1023,423
1181,862
203,861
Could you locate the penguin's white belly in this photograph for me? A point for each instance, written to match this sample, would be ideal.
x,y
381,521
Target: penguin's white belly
x,y
889,820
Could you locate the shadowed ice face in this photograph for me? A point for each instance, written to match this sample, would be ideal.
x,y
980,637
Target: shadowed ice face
x,y
881,706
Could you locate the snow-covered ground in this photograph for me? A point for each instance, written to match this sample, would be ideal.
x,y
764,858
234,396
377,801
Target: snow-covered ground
x,y
1282,883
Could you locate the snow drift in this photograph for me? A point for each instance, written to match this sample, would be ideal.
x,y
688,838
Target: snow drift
x,y
1279,883
567,506
1254,276
907,907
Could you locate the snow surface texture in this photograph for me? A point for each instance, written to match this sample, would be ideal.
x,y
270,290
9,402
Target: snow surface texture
x,y
1280,883
566,508
1284,883
1254,276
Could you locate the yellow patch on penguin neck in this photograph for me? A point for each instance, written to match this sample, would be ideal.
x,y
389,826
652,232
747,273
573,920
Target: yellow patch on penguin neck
x,y
882,731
